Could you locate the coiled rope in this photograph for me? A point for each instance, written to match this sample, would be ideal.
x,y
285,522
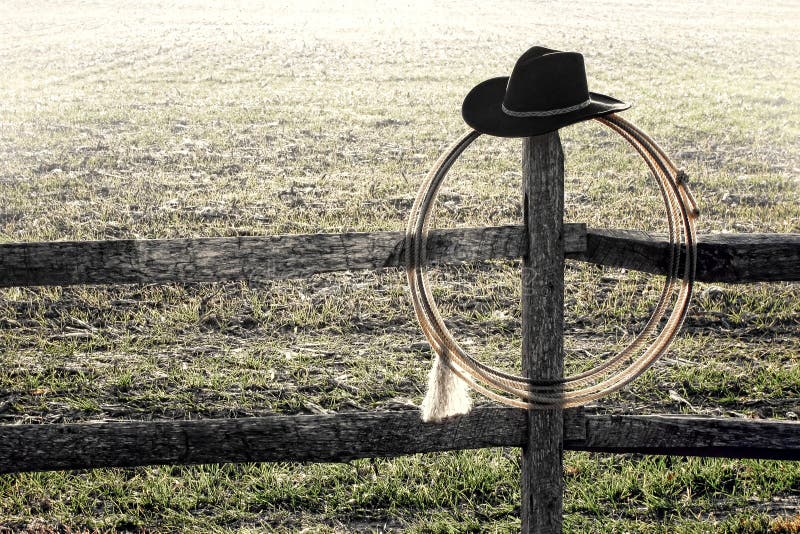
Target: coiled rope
x,y
610,375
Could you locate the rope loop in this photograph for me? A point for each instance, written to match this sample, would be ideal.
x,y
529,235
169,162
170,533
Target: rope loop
x,y
606,377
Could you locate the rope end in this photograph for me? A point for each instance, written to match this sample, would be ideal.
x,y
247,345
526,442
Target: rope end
x,y
683,179
447,394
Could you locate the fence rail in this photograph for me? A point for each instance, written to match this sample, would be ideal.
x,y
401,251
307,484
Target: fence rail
x,y
253,258
347,436
721,257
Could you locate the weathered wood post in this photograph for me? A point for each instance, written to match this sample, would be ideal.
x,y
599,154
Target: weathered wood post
x,y
542,328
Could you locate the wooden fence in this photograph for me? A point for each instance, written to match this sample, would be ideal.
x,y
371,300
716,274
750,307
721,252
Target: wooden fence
x,y
721,258
340,437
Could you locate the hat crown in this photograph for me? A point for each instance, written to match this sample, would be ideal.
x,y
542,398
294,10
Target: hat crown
x,y
546,80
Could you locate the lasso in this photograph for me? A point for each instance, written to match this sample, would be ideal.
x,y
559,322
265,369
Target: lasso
x,y
612,374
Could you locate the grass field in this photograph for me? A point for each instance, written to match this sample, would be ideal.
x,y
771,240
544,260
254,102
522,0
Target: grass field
x,y
155,120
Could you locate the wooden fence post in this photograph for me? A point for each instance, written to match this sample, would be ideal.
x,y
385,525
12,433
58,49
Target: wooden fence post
x,y
542,328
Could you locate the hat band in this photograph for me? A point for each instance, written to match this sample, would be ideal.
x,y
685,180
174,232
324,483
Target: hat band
x,y
547,112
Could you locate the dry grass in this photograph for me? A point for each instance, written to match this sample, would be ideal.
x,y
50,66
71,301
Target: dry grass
x,y
185,119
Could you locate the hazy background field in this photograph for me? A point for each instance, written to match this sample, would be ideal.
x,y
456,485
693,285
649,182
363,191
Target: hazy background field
x,y
154,120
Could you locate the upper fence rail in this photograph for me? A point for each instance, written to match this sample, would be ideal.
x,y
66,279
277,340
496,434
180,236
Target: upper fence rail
x,y
721,257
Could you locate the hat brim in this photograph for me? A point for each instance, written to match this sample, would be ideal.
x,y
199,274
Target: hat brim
x,y
482,110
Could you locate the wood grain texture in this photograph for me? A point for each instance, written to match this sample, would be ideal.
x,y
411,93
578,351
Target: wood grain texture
x,y
720,257
543,328
247,258
345,436
318,438
686,436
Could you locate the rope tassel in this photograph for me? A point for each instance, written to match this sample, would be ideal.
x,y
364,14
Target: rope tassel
x,y
447,395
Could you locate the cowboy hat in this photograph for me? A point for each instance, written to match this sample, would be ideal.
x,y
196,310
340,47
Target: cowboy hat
x,y
546,90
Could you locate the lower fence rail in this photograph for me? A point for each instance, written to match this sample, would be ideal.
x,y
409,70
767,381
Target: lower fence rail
x,y
347,436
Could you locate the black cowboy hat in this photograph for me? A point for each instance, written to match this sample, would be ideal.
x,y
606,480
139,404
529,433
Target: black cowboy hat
x,y
546,90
